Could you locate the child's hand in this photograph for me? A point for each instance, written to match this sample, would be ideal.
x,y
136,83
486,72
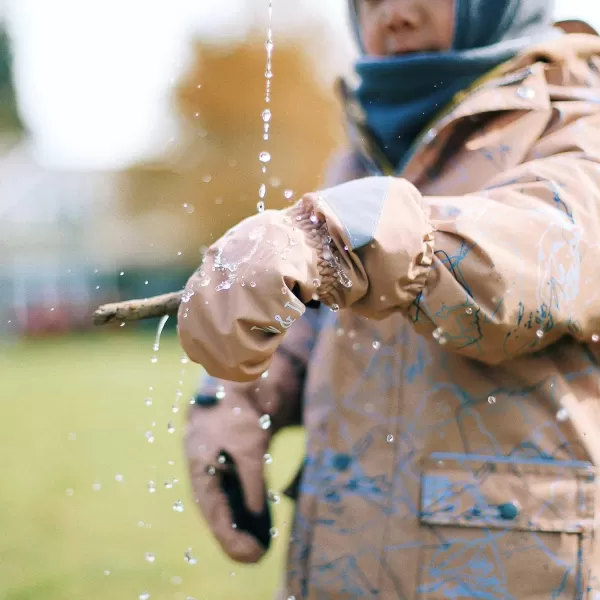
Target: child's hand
x,y
253,285
225,452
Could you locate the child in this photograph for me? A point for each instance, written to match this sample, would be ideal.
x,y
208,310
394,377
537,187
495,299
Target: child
x,y
449,380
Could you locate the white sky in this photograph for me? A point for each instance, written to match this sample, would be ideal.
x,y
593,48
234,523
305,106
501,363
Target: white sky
x,y
93,76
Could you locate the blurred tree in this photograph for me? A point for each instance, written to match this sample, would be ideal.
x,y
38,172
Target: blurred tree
x,y
212,178
10,121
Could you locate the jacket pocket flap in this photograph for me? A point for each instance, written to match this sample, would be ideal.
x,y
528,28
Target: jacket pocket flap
x,y
508,493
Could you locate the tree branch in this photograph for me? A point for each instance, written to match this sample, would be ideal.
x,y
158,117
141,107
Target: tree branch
x,y
136,310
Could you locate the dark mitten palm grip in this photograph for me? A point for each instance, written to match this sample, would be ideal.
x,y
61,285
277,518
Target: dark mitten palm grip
x,y
258,525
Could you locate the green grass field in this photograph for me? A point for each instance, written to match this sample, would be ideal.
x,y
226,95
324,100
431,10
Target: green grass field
x,y
73,420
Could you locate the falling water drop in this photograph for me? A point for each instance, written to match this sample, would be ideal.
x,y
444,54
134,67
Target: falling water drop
x,y
264,157
288,194
273,497
491,400
389,439
170,427
152,486
190,559
149,556
144,596
159,330
149,437
266,115
265,422
178,506
268,459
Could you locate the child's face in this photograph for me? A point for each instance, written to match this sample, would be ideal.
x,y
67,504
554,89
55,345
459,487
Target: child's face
x,y
391,27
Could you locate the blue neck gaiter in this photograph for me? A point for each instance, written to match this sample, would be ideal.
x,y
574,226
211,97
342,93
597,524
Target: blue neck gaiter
x,y
401,94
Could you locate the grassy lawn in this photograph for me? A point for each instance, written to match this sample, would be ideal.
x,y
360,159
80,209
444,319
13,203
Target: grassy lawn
x,y
77,518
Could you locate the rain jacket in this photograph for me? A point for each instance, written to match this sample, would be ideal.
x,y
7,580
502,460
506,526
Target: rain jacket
x,y
452,404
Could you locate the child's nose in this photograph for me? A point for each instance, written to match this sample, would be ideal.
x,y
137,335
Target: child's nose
x,y
399,15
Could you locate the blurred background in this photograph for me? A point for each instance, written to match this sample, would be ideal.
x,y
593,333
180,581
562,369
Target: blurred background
x,y
130,137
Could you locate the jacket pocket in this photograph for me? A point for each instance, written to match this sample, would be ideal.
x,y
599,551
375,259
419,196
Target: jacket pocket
x,y
506,528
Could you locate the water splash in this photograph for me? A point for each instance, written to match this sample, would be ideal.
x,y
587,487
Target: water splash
x,y
159,330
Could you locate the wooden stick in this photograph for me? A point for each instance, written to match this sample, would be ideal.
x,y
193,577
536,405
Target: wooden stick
x,y
136,310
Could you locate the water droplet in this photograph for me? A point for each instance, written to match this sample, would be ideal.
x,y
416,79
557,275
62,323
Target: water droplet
x,y
96,487
288,194
174,409
253,284
148,401
184,360
170,427
264,157
178,506
122,273
437,333
595,338
273,497
119,477
314,219
273,532
383,298
211,471
151,486
190,559
207,178
442,341
265,375
149,437
262,191
265,422
122,324
220,393
144,596
266,115
389,439
376,345
335,307
107,572
539,333
168,485
154,360
469,311
268,459
149,556
562,415
189,208
260,206
491,400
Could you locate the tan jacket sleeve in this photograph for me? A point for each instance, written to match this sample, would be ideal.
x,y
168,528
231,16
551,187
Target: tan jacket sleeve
x,y
490,275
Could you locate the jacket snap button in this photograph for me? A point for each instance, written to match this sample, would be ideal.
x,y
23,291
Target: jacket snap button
x,y
341,462
526,93
508,511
